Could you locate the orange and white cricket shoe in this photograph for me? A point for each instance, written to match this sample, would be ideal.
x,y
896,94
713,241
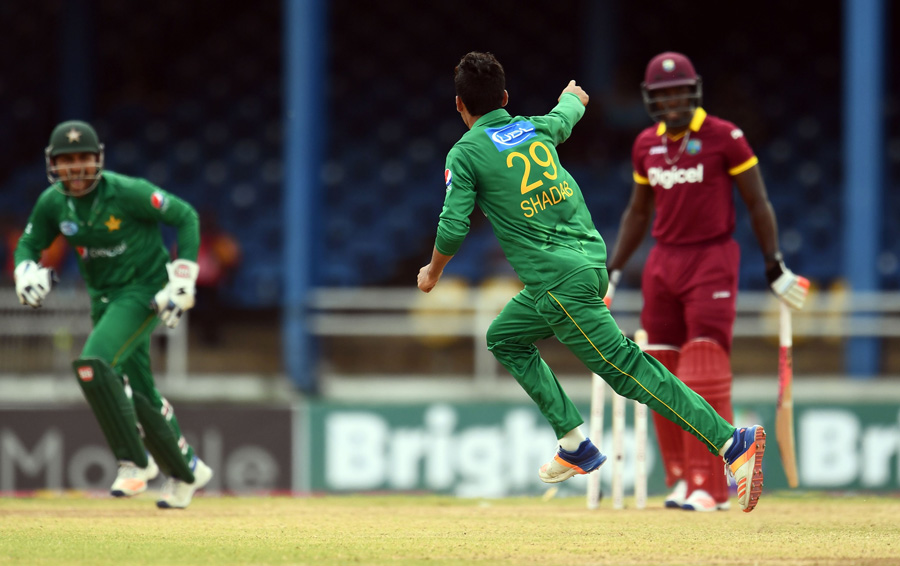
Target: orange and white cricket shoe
x,y
566,464
743,463
132,480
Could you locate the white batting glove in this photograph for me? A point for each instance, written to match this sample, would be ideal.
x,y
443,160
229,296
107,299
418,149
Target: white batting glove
x,y
178,294
614,276
33,283
787,285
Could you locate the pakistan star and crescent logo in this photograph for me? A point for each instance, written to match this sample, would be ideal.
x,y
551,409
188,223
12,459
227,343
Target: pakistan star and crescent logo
x,y
113,223
73,135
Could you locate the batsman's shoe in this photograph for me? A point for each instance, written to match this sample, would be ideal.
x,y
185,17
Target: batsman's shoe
x,y
743,462
701,500
132,480
566,464
177,494
678,496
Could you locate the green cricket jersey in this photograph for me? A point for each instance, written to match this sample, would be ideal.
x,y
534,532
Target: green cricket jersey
x,y
115,231
510,168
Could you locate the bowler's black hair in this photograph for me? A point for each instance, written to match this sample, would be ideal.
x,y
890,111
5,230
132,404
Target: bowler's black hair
x,y
480,82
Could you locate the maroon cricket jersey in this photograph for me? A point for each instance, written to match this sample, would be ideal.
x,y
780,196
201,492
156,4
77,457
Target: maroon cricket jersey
x,y
691,177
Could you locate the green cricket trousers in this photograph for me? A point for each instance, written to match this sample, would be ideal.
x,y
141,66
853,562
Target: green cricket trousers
x,y
123,322
575,313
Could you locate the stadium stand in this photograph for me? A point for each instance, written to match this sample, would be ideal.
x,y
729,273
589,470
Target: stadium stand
x,y
200,114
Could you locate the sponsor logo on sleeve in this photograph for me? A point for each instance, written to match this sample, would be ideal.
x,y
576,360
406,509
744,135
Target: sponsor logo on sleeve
x,y
86,373
511,135
448,179
159,201
68,228
737,133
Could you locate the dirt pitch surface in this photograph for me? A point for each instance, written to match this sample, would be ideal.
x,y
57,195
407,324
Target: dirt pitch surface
x,y
422,529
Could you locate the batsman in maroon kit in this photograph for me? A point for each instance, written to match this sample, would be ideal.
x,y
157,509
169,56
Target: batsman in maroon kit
x,y
684,170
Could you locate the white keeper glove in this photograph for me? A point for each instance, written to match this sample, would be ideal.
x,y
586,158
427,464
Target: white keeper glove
x,y
33,283
614,276
178,294
787,285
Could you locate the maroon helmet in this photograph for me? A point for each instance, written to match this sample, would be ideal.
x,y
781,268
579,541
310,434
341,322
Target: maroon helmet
x,y
671,69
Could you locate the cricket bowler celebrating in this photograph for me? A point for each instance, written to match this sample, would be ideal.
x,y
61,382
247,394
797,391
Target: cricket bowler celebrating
x,y
684,168
112,221
509,167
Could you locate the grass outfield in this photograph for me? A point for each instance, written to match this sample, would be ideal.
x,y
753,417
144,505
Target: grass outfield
x,y
408,529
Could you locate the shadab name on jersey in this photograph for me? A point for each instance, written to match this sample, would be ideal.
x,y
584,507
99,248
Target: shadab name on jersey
x,y
551,197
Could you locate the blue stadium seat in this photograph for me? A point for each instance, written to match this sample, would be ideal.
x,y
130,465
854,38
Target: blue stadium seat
x,y
212,132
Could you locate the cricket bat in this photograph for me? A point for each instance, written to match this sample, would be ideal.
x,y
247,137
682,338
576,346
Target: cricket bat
x,y
784,412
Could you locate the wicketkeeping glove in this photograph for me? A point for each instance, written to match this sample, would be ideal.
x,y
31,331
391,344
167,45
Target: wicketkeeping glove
x,y
33,283
178,294
790,287
614,276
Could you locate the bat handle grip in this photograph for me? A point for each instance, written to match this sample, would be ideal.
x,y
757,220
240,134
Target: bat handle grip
x,y
784,326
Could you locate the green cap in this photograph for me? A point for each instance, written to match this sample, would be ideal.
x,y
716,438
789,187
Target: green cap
x,y
73,136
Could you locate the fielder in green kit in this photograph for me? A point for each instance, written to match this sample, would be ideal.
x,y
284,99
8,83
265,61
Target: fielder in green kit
x,y
509,167
112,221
